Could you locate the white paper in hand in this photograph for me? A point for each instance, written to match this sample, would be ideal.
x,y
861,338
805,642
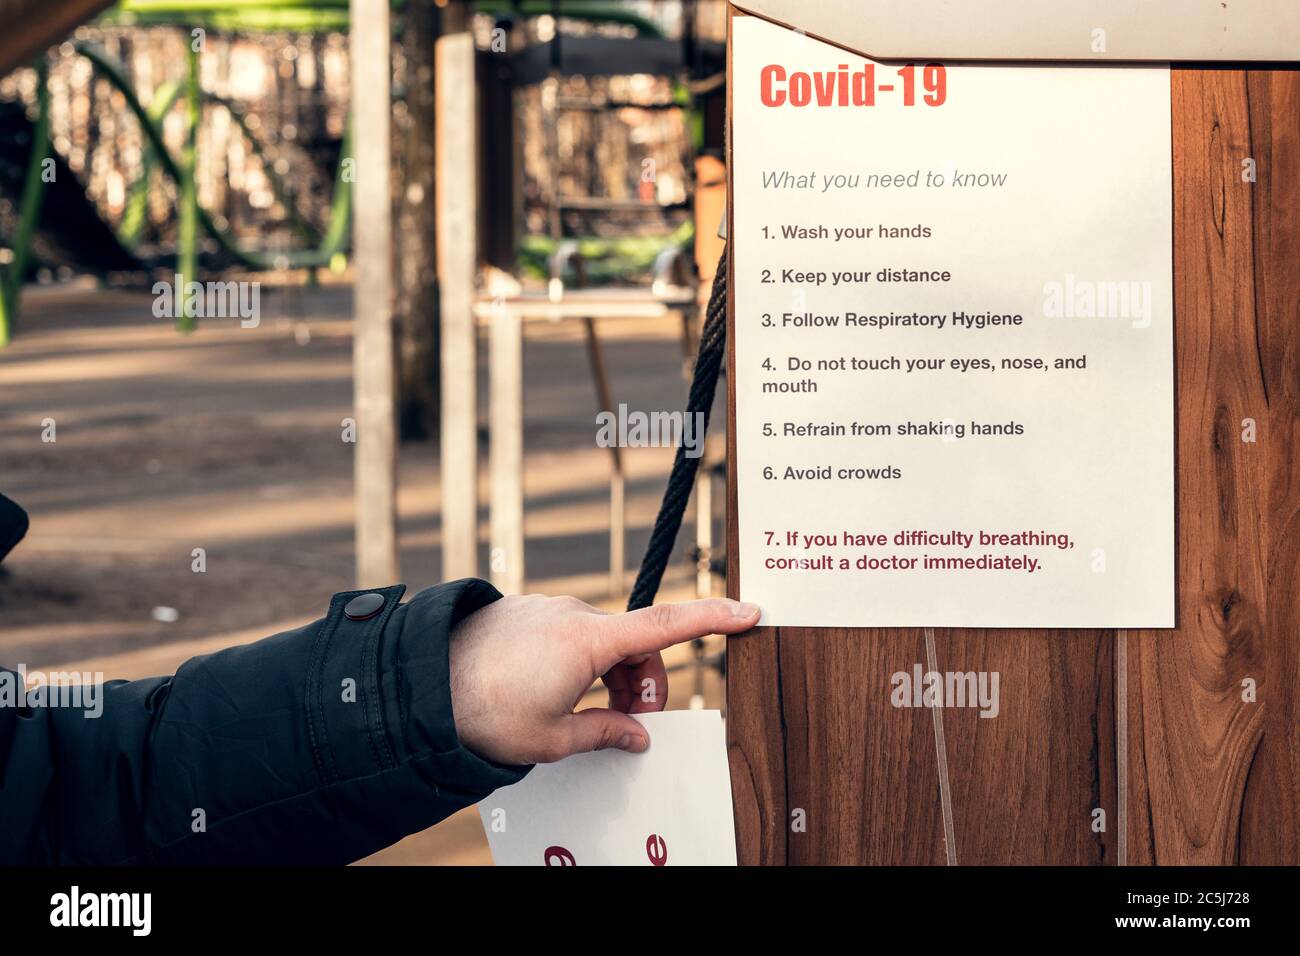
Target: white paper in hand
x,y
670,806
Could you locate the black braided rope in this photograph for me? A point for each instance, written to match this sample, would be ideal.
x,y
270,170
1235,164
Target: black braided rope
x,y
704,382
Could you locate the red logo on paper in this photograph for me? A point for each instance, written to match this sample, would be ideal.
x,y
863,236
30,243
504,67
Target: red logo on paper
x,y
656,849
558,856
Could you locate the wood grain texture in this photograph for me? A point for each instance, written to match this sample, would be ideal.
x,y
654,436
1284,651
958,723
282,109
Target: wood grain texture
x,y
1270,820
1210,778
862,769
1213,776
1025,784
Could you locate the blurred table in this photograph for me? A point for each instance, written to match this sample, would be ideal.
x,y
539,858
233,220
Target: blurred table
x,y
505,317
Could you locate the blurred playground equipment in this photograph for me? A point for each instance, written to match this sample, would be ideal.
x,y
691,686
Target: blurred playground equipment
x,y
60,221
191,138
123,149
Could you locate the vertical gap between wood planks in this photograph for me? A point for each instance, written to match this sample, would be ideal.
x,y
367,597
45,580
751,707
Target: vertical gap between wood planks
x,y
1121,744
941,755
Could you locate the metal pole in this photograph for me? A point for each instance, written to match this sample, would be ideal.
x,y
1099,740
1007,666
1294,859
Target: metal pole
x,y
506,454
704,530
372,349
29,210
617,507
187,227
457,252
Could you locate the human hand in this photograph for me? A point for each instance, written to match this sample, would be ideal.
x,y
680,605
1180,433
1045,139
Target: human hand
x,y
520,666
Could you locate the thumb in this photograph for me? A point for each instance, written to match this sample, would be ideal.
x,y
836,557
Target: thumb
x,y
600,729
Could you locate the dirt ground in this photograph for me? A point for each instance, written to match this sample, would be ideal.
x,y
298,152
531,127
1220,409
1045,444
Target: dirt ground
x,y
229,440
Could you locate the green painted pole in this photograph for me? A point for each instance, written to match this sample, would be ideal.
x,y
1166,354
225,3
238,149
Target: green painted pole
x,y
187,238
136,217
339,228
29,209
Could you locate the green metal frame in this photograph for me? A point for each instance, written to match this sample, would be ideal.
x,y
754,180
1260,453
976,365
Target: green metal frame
x,y
191,215
334,237
135,215
29,208
331,15
187,225
247,15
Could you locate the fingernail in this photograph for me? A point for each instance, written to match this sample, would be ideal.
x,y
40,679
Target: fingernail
x,y
632,743
743,610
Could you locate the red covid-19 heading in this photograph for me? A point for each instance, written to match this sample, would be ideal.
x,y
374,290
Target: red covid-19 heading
x,y
840,87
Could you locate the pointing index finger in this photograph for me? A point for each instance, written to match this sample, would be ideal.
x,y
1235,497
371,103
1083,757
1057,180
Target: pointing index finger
x,y
654,628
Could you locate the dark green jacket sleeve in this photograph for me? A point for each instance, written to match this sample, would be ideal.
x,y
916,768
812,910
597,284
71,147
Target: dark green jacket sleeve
x,y
319,745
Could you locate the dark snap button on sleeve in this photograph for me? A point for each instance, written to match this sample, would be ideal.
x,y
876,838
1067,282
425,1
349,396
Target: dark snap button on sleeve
x,y
364,606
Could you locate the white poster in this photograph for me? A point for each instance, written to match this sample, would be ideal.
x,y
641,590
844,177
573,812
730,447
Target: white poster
x,y
669,806
953,339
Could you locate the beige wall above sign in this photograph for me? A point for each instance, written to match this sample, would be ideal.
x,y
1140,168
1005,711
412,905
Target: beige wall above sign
x,y
1047,29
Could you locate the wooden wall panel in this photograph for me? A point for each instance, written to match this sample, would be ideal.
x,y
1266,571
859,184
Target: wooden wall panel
x,y
1148,726
861,768
1213,776
1025,784
1270,820
756,748
810,728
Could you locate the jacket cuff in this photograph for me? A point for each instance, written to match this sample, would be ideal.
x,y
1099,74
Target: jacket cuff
x,y
379,690
420,704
